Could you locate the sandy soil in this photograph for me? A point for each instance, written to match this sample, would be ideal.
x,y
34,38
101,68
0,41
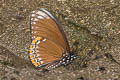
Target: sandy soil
x,y
91,26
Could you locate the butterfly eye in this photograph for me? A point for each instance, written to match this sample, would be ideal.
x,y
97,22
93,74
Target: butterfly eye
x,y
49,46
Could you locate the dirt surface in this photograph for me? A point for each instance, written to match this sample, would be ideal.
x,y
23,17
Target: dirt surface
x,y
92,27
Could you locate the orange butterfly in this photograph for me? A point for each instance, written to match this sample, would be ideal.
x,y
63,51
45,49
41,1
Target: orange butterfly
x,y
49,47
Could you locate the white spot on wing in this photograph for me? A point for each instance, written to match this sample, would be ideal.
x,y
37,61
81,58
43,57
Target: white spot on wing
x,y
33,37
67,60
33,15
71,59
63,62
43,14
37,47
40,17
34,22
36,60
34,27
36,51
60,61
35,19
39,59
32,18
54,66
44,40
38,42
33,11
41,62
37,55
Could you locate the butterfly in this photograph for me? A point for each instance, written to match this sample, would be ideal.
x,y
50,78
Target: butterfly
x,y
49,46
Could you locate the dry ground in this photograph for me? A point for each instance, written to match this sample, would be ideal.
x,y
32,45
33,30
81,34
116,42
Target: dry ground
x,y
91,26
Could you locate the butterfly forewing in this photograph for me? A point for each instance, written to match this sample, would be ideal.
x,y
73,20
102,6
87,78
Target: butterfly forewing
x,y
48,27
48,39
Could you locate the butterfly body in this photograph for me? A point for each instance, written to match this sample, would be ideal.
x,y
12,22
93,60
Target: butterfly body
x,y
49,46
